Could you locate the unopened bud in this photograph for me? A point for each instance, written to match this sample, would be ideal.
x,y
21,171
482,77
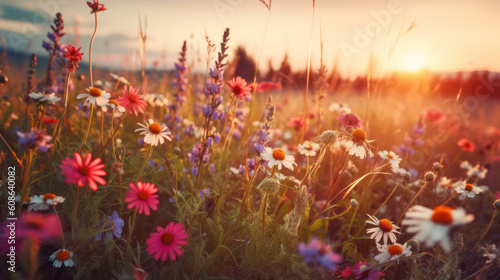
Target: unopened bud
x,y
177,150
496,204
437,166
430,176
354,203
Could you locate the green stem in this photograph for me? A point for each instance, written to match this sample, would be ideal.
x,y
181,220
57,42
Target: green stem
x,y
149,149
60,227
487,229
249,187
131,228
24,189
88,128
75,209
112,135
412,201
57,130
90,52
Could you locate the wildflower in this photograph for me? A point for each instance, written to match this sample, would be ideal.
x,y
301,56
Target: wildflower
x,y
113,104
350,120
353,203
205,192
165,242
43,202
319,252
239,87
278,157
430,176
49,120
265,86
120,79
83,171
443,185
44,98
154,132
339,107
112,227
61,257
384,228
35,139
466,145
308,148
96,6
156,100
432,225
132,100
437,166
95,96
37,226
142,197
393,158
296,123
269,186
392,252
357,144
361,271
474,171
140,273
492,253
466,189
328,138
73,56
433,115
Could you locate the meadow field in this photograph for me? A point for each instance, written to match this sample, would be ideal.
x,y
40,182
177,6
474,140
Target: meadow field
x,y
235,172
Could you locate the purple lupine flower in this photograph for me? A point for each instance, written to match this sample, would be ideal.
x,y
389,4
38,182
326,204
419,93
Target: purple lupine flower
x,y
35,139
194,171
206,110
210,141
217,138
171,200
350,120
112,227
47,46
320,253
205,192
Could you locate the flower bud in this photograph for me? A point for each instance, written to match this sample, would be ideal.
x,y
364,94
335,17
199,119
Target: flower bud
x,y
437,166
354,203
430,176
415,246
269,186
177,150
496,204
407,176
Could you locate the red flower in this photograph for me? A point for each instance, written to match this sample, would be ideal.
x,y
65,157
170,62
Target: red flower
x,y
47,120
96,7
296,123
433,115
73,56
239,87
265,86
466,145
132,100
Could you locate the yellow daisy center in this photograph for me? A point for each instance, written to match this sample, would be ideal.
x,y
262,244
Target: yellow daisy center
x,y
62,255
359,134
385,225
95,92
442,215
279,154
155,128
114,102
167,238
143,195
390,156
49,196
395,249
469,187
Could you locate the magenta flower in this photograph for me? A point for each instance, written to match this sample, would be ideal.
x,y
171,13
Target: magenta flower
x,y
166,242
132,100
361,270
350,120
265,86
96,6
73,56
239,87
83,171
142,197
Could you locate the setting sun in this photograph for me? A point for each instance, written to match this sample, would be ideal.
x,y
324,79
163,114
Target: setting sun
x,y
414,62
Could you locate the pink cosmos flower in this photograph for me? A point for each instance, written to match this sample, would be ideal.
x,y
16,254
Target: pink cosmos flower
x,y
132,100
142,197
239,87
166,242
350,120
82,171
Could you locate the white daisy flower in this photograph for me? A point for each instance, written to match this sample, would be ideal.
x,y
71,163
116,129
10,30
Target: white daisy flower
x,y
234,170
61,257
392,157
95,96
339,107
384,229
44,202
492,253
443,185
154,132
431,226
120,79
356,143
278,157
466,189
392,252
477,170
308,148
113,104
42,98
156,100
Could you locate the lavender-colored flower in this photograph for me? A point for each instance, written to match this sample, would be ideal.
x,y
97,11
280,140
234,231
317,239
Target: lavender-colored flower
x,y
320,253
206,110
205,192
350,120
35,139
362,270
47,46
112,227
171,200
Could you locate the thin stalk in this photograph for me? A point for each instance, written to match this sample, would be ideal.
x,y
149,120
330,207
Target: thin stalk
x,y
88,128
102,127
352,220
90,52
304,128
487,229
149,149
12,151
26,174
412,201
390,195
249,187
131,228
448,200
112,141
75,209
60,227
112,135
57,130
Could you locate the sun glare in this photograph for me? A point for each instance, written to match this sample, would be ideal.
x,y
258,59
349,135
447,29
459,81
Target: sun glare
x,y
414,62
